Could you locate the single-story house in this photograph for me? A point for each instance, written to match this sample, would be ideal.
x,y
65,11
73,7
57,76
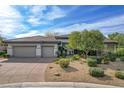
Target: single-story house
x,y
38,46
35,46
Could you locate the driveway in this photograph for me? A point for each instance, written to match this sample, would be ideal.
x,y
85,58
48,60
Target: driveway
x,y
16,70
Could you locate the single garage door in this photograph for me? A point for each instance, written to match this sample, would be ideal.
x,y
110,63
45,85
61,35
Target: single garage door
x,y
48,51
24,51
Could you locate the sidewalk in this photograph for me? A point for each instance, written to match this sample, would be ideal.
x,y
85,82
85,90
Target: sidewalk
x,y
55,85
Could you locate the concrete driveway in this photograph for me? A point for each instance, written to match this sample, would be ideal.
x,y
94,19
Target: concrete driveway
x,y
17,70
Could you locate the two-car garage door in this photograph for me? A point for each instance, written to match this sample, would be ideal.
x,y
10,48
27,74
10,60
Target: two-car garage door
x,y
30,51
24,51
48,51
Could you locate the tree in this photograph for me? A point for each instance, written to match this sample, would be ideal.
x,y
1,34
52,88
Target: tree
x,y
86,40
113,35
51,34
119,37
74,39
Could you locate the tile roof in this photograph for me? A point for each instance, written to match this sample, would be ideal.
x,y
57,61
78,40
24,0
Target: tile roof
x,y
62,38
34,39
110,41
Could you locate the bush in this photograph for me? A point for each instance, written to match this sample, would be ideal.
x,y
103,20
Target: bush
x,y
91,62
112,57
120,52
64,63
76,57
105,59
92,57
56,61
119,74
96,72
122,58
3,54
99,60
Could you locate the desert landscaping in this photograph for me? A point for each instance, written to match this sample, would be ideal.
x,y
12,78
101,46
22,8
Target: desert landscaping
x,y
78,71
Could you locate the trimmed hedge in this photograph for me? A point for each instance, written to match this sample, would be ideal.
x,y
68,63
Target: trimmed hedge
x,y
119,74
91,62
76,57
96,72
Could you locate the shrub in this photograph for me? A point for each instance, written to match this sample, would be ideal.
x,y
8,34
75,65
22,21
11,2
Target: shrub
x,y
76,57
3,54
91,62
105,60
99,60
119,74
112,57
92,57
122,58
120,52
56,61
96,72
64,63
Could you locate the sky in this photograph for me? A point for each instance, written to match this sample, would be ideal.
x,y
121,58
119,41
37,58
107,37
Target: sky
x,y
31,20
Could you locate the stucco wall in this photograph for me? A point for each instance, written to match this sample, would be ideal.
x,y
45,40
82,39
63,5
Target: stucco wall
x,y
38,48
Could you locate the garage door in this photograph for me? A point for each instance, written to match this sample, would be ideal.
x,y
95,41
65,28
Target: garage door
x,y
48,51
26,51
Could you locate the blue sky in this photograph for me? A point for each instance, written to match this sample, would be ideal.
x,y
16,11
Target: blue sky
x,y
22,21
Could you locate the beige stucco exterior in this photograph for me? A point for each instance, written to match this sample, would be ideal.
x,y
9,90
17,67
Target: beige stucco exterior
x,y
38,47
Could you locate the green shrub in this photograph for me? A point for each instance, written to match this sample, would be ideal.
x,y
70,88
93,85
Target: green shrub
x,y
105,59
3,54
56,61
112,57
96,72
119,74
91,62
120,52
99,60
76,57
92,57
64,63
122,58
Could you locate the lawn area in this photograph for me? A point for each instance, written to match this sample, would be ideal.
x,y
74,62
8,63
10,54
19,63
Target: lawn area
x,y
78,71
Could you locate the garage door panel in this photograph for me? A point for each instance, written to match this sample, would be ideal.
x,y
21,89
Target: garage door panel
x,y
24,51
48,51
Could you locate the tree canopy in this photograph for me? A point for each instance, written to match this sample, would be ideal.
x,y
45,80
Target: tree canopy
x,y
74,40
119,37
86,40
50,34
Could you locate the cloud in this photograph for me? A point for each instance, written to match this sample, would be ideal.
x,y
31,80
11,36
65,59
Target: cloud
x,y
112,24
39,17
55,13
31,33
10,21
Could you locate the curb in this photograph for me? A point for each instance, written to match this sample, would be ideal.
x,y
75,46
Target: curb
x,y
55,85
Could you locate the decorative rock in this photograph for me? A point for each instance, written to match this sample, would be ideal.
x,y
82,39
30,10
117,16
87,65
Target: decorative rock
x,y
57,74
50,67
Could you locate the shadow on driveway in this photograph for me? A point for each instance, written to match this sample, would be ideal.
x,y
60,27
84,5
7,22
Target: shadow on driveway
x,y
28,60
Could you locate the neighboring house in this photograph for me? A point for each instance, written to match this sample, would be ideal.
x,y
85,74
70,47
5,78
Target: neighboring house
x,y
38,46
110,45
